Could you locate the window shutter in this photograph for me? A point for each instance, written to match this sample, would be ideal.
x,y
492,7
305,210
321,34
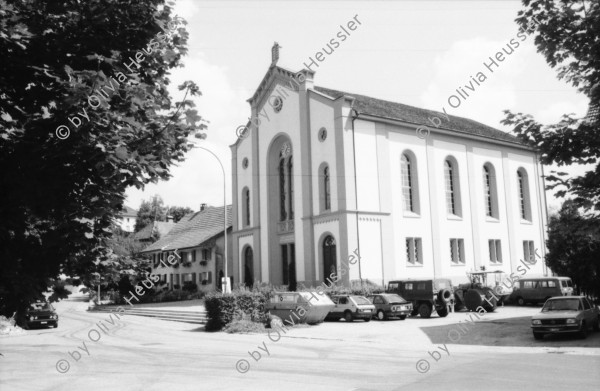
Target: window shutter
x,y
194,278
209,277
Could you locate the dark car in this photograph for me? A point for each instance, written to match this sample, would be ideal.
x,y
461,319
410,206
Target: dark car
x,y
38,314
566,314
390,305
425,295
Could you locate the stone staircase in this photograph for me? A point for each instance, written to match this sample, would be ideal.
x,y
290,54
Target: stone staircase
x,y
197,317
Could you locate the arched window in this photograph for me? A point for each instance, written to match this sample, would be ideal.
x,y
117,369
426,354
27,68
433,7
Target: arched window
x,y
326,189
290,179
490,191
524,200
452,187
407,183
286,183
245,207
282,212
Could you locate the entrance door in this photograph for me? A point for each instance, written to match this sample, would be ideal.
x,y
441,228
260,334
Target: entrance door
x,y
248,267
329,263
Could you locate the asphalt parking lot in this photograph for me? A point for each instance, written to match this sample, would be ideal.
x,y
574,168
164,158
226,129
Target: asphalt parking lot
x,y
148,354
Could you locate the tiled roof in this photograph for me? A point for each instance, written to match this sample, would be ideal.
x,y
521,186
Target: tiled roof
x,y
398,111
127,211
193,230
162,227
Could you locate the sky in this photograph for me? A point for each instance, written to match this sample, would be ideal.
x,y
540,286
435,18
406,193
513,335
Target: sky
x,y
413,52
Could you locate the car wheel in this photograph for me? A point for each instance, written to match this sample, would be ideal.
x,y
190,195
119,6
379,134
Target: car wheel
x,y
443,312
348,316
402,317
597,325
583,331
425,310
381,315
520,301
538,335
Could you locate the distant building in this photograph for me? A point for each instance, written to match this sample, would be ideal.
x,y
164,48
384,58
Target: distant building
x,y
331,174
126,219
198,240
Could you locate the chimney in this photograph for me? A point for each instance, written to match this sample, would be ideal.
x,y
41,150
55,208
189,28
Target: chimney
x,y
202,207
275,53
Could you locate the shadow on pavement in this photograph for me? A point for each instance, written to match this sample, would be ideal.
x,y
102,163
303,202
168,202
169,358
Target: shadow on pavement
x,y
504,332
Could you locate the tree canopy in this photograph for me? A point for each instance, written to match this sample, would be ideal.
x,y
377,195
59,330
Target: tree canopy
x,y
79,123
568,36
155,210
573,251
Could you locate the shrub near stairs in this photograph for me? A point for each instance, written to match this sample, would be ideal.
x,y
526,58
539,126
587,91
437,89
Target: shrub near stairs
x,y
222,309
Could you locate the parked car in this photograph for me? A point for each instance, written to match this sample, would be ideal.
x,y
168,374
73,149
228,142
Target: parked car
x,y
540,289
286,305
425,295
566,314
38,314
351,307
390,305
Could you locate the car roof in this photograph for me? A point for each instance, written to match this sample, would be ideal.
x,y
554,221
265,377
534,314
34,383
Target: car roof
x,y
566,297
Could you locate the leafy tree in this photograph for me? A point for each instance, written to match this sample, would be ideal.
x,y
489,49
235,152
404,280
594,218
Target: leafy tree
x,y
154,210
567,36
61,61
573,252
179,211
150,211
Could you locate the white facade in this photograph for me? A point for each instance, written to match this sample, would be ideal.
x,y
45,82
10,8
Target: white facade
x,y
126,219
367,208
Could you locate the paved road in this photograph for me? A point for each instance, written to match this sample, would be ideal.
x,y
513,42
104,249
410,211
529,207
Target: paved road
x,y
147,354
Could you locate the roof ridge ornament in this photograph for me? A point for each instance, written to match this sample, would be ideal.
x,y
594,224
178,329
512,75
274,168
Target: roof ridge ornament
x,y
275,53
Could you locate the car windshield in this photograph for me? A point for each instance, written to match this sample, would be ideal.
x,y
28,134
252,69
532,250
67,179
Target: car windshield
x,y
562,305
395,299
361,300
40,307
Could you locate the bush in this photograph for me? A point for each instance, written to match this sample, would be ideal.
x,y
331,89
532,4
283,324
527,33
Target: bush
x,y
243,325
125,285
222,308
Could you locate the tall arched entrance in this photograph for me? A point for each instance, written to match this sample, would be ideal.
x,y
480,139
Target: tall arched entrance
x,y
329,256
248,267
281,179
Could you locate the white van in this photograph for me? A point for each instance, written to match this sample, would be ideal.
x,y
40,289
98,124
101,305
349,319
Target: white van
x,y
540,289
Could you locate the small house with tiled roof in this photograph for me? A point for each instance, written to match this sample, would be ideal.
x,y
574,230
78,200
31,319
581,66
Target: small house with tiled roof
x,y
327,181
197,244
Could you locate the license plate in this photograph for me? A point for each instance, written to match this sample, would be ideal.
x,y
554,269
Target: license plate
x,y
367,310
43,322
553,329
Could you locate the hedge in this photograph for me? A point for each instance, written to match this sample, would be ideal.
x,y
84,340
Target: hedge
x,y
222,309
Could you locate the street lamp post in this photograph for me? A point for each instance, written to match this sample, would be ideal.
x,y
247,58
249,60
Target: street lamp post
x,y
226,287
